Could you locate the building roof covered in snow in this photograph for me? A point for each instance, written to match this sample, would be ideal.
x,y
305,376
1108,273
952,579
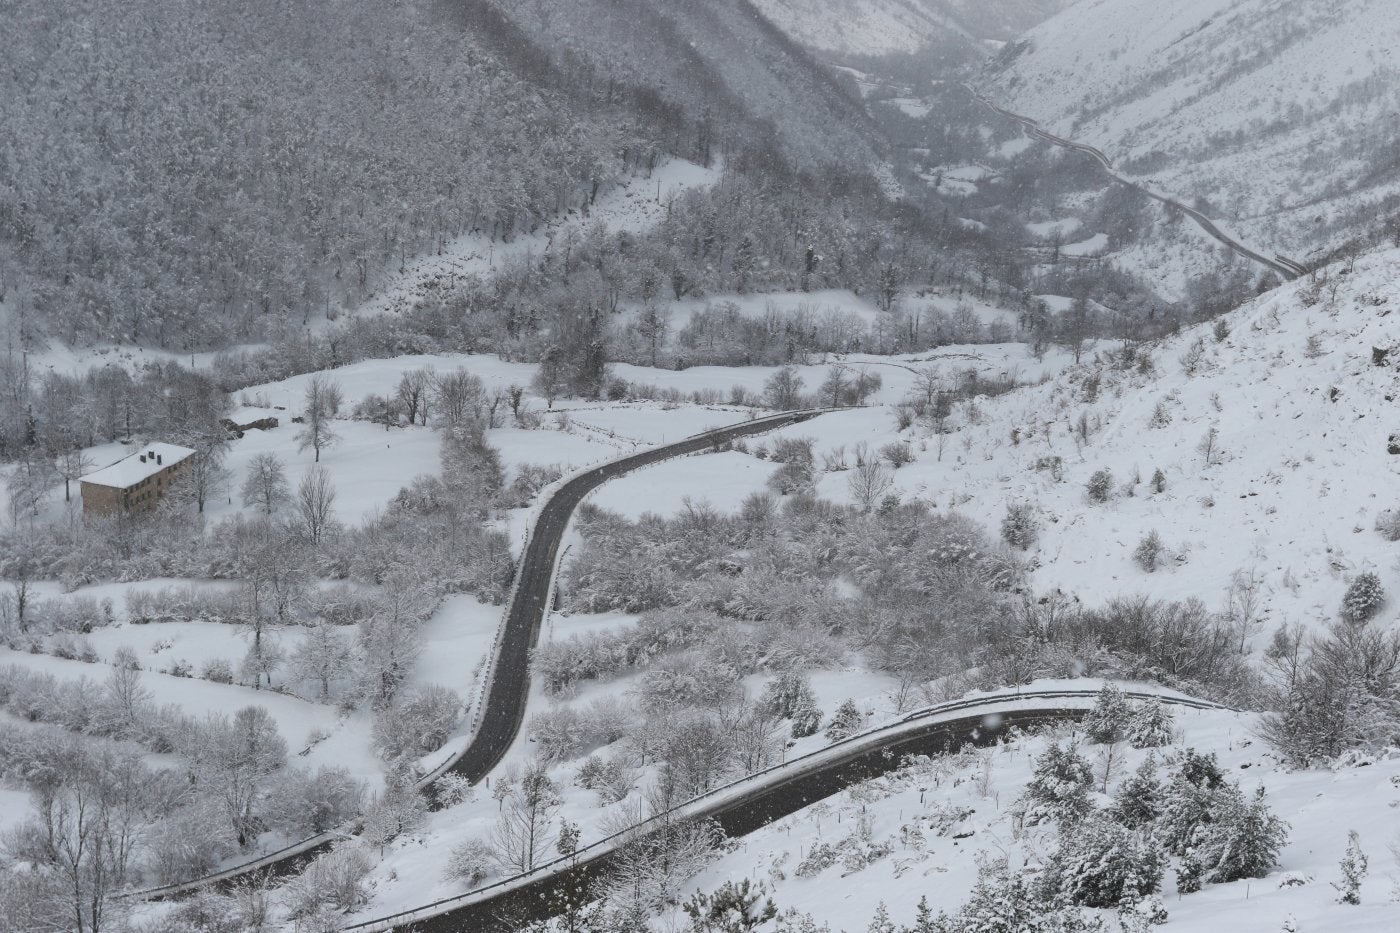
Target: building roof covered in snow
x,y
145,463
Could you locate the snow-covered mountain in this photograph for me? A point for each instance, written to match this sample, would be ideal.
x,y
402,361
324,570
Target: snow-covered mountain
x,y
877,27
1280,116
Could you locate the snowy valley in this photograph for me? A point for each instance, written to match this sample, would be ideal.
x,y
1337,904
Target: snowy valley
x,y
645,467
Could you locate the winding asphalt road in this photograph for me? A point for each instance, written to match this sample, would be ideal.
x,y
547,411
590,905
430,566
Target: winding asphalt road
x,y
503,708
757,800
1285,267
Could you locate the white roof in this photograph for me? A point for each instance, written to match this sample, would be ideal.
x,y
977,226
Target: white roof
x,y
129,471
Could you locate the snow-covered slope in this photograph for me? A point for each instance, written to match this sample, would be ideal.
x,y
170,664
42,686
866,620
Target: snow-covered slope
x,y
877,27
1280,114
1299,472
935,819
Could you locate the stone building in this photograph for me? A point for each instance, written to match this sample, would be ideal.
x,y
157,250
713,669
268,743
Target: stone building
x,y
136,482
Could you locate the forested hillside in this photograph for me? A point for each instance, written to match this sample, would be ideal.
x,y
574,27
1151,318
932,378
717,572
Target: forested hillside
x,y
193,174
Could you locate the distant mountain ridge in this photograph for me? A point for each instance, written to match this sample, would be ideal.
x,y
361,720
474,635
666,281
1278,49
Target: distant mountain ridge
x,y
1280,117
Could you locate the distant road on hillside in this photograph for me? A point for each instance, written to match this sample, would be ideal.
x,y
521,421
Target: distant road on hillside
x,y
1285,267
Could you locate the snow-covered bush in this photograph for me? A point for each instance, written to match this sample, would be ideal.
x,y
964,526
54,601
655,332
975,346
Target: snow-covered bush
x,y
1019,527
1219,835
556,733
1241,839
313,803
1151,725
217,670
1388,524
609,777
419,723
1341,695
1187,803
793,477
818,859
1100,486
1148,553
471,861
790,697
1353,867
334,880
1138,802
689,679
897,454
1059,791
731,908
1363,599
942,817
1110,718
1006,901
793,450
1105,864
1194,357
860,854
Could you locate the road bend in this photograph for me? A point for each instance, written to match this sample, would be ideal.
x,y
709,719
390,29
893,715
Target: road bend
x,y
757,800
1285,267
502,710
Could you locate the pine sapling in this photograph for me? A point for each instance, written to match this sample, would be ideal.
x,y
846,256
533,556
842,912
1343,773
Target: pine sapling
x,y
1353,867
845,722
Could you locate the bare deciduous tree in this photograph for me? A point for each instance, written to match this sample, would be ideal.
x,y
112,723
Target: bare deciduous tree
x,y
316,504
783,390
523,832
868,482
460,396
82,840
323,656
412,393
321,401
205,472
71,465
235,759
266,483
